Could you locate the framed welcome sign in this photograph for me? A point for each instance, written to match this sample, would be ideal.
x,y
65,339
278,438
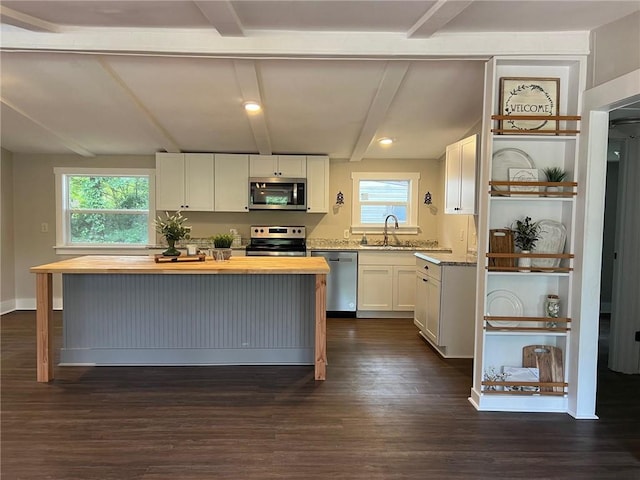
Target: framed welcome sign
x,y
529,97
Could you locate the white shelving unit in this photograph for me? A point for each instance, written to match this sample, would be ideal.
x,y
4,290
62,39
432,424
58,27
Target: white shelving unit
x,y
499,207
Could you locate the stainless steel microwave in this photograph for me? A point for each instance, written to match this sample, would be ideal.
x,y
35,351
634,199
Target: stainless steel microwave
x,y
277,193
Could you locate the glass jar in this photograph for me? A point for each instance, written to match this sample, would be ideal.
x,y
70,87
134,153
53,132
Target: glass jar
x,y
552,310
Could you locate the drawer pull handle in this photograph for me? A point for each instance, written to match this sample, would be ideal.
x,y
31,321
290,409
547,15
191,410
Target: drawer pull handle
x,y
425,280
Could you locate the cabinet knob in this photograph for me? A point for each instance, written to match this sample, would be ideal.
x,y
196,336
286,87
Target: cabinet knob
x,y
246,208
426,267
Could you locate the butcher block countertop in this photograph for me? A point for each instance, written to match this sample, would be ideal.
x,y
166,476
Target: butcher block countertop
x,y
147,265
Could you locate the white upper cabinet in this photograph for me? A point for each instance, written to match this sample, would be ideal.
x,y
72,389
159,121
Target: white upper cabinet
x,y
317,184
184,181
232,182
460,177
291,166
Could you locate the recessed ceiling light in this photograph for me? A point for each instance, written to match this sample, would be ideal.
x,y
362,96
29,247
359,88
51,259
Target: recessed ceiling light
x,y
252,107
385,141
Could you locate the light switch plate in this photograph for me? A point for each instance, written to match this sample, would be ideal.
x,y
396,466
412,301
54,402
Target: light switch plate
x,y
345,234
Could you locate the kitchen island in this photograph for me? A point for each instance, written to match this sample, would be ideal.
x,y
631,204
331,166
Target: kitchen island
x,y
129,310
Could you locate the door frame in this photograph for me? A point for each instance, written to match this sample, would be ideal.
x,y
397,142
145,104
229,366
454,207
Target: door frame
x,y
597,104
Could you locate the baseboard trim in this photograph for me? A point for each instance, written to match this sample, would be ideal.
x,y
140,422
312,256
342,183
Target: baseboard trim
x,y
7,306
30,303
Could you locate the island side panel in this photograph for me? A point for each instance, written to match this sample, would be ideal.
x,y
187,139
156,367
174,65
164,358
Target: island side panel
x,y
131,319
321,327
44,327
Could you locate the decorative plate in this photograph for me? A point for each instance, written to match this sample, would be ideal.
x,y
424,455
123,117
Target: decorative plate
x,y
552,237
503,303
505,159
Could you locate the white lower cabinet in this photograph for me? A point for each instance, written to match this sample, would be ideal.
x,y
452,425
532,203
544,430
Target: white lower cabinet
x,y
445,307
386,284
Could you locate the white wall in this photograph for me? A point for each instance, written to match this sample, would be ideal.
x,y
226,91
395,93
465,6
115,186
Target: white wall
x,y
7,264
34,201
34,204
615,50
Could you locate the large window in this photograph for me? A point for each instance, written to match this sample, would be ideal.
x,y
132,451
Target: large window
x,y
377,195
104,207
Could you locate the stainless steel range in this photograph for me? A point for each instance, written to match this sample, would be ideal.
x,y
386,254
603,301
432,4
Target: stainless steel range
x,y
277,241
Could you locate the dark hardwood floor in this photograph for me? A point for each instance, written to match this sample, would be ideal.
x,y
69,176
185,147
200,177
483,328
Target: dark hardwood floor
x,y
391,408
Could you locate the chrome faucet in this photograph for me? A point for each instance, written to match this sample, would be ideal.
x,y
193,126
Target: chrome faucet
x,y
385,241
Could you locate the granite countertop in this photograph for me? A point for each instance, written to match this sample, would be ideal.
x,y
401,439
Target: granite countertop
x,y
449,259
412,246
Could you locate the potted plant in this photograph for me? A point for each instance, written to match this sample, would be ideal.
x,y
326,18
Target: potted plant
x,y
525,235
172,228
222,243
555,175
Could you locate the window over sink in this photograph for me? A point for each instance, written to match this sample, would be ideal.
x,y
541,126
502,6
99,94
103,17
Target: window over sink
x,y
379,194
104,208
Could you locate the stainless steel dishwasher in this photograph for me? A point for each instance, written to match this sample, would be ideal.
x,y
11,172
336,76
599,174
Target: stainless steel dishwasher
x,y
342,280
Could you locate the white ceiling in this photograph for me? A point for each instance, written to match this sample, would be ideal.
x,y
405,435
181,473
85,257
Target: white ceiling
x,y
136,77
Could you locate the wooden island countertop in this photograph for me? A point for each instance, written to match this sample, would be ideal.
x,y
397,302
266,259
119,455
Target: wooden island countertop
x,y
146,265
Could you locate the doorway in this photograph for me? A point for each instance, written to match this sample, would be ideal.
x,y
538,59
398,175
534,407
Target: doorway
x,y
620,306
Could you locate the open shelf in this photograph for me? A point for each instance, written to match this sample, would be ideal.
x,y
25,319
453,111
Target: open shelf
x,y
552,118
546,388
527,329
502,268
532,194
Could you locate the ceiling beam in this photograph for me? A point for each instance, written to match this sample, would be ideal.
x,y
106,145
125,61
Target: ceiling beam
x,y
222,16
66,142
157,131
27,22
249,84
389,85
437,17
209,43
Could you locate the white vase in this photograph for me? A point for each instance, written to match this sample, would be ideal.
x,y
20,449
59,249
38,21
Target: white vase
x,y
524,263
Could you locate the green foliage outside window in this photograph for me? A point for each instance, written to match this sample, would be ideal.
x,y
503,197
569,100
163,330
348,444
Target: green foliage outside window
x,y
108,209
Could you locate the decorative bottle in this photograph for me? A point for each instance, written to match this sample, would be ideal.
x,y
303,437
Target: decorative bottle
x,y
552,310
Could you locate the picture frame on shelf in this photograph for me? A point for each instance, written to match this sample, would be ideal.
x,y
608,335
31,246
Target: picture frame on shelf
x,y
523,175
529,96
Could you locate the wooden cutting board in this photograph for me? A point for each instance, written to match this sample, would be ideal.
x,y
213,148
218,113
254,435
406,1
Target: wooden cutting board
x,y
548,361
501,241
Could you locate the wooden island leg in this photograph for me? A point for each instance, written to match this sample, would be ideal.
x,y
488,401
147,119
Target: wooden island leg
x,y
321,327
44,326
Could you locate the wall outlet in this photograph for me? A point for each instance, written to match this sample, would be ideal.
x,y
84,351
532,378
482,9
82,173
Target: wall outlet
x,y
44,227
345,234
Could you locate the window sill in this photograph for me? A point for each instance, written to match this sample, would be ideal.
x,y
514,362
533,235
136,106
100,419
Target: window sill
x,y
103,250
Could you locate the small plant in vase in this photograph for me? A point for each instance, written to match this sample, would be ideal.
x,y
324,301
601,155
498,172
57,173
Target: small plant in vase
x,y
554,175
525,234
173,230
222,242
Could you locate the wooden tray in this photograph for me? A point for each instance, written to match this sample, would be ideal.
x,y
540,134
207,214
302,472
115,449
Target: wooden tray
x,y
548,360
501,241
182,258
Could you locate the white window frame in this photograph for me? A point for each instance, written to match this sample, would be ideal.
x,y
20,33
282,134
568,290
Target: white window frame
x,y
411,227
62,210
